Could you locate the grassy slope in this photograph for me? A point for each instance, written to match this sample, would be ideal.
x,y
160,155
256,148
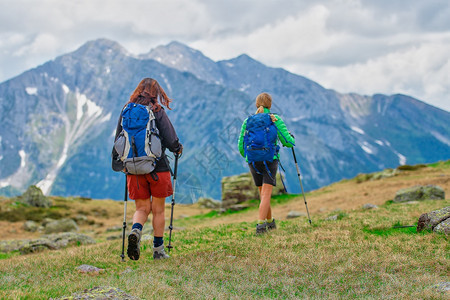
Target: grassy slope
x,y
358,256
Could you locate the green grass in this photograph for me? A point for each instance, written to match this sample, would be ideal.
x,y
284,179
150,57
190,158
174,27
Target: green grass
x,y
358,256
277,199
8,255
23,213
441,164
361,255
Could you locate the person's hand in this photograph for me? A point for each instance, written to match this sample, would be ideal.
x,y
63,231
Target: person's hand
x,y
291,134
180,151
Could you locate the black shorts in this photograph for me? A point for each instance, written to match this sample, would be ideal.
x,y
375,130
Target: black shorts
x,y
264,176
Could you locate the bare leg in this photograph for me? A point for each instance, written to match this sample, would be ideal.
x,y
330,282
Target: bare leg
x,y
269,214
143,209
158,205
264,206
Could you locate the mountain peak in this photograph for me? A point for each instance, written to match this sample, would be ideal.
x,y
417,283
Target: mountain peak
x,y
101,45
183,58
242,59
172,50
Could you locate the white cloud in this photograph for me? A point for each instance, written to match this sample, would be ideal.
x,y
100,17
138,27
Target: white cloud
x,y
421,71
360,46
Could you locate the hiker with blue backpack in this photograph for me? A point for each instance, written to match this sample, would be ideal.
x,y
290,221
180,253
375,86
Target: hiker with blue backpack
x,y
143,133
258,144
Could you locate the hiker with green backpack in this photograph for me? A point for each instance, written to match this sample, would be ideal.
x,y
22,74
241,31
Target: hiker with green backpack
x,y
143,133
258,144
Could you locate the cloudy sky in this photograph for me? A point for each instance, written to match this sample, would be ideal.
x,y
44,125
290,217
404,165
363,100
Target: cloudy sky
x,y
366,47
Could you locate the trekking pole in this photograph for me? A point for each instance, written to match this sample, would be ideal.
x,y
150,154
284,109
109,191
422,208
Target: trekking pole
x,y
124,220
301,184
173,202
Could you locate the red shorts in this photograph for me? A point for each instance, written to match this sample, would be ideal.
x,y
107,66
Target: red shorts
x,y
144,186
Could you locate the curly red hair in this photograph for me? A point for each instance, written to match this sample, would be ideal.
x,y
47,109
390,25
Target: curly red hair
x,y
149,92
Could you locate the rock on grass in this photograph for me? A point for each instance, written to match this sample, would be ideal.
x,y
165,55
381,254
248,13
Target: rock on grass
x,y
429,221
47,242
101,293
443,227
34,197
30,226
88,269
63,225
368,206
295,214
418,193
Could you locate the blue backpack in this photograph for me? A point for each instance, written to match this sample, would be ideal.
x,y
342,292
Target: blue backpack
x,y
260,139
138,145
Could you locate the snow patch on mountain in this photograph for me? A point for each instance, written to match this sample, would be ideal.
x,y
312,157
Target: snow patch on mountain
x,y
31,90
244,87
86,106
21,176
440,137
401,158
169,87
366,147
88,115
65,89
297,118
358,130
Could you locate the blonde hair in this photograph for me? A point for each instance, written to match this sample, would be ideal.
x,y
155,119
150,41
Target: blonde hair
x,y
263,100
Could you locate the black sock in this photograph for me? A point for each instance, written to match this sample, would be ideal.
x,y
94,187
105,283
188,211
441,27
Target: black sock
x,y
137,225
157,241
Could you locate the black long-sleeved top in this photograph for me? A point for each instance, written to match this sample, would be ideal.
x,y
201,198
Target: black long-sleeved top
x,y
167,134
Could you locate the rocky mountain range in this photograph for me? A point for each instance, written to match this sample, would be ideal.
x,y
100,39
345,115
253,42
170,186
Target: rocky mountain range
x,y
57,122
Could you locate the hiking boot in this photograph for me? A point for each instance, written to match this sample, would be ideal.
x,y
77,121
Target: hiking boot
x,y
134,239
271,225
261,228
159,253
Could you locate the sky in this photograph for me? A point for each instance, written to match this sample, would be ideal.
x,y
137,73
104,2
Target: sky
x,y
359,46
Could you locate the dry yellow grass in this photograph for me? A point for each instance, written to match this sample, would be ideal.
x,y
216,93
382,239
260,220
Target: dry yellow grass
x,y
348,195
358,256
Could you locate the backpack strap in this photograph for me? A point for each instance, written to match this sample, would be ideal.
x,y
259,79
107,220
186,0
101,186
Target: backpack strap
x,y
268,171
285,139
281,175
256,169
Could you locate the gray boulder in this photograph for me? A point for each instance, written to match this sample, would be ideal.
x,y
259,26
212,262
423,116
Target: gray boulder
x,y
34,197
101,293
443,287
418,193
443,227
115,237
114,228
90,269
63,225
429,221
65,239
37,245
80,219
30,226
368,206
240,188
208,203
295,214
332,218
10,245
238,207
47,242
